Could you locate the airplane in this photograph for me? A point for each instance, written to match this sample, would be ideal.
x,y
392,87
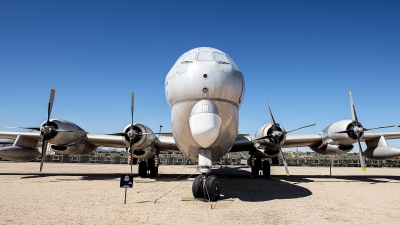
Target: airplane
x,y
204,89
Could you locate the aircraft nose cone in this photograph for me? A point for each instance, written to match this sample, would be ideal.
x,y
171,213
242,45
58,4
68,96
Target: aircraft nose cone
x,y
204,123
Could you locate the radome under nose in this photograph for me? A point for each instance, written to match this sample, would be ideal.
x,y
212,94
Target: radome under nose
x,y
204,123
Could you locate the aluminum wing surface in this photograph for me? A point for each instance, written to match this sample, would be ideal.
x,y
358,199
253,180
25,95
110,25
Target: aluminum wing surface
x,y
28,135
163,143
387,135
244,143
302,140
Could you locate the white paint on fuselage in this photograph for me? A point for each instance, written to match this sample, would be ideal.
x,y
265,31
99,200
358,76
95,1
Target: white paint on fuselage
x,y
215,78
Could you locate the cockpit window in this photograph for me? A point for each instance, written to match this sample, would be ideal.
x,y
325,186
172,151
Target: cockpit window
x,y
178,61
233,63
221,58
205,56
189,58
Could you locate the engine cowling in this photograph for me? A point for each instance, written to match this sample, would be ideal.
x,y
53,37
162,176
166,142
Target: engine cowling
x,y
335,141
18,153
330,149
63,132
269,143
331,135
67,138
144,137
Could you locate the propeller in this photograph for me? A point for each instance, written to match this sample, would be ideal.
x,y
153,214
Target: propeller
x,y
357,129
131,134
46,130
276,134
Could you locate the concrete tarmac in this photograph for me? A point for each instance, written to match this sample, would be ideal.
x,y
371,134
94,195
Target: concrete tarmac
x,y
67,193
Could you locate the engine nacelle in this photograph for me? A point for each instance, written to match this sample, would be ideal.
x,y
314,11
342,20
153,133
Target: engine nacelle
x,y
330,149
17,153
145,136
75,148
67,138
64,133
382,152
269,143
330,134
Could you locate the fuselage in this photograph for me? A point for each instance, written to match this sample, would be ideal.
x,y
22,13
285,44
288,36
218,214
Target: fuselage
x,y
204,90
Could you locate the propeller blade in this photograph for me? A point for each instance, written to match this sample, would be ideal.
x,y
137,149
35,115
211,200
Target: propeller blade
x,y
268,136
353,109
27,128
44,140
361,155
283,159
117,134
50,107
300,128
132,103
341,132
270,113
365,129
44,149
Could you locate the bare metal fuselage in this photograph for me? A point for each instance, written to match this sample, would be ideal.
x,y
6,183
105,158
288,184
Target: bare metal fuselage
x,y
204,74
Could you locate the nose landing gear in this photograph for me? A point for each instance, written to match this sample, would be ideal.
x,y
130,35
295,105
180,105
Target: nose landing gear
x,y
206,187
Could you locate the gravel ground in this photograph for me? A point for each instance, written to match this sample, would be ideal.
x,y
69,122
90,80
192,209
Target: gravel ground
x,y
90,194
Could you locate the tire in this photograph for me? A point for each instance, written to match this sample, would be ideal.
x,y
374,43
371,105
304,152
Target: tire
x,y
213,188
154,172
254,171
197,187
266,169
275,161
255,167
134,161
142,169
152,167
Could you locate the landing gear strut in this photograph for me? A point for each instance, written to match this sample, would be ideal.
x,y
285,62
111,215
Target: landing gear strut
x,y
206,186
151,165
255,163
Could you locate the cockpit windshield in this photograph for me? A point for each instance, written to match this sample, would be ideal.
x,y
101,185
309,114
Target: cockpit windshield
x,y
189,58
221,58
205,56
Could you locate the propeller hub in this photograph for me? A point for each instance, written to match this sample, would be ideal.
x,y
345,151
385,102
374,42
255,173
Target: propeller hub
x,y
132,134
277,134
358,130
46,129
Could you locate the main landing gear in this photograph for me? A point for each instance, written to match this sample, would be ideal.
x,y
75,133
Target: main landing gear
x,y
151,165
257,165
206,186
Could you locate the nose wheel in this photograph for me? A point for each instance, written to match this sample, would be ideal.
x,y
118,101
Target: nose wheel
x,y
206,187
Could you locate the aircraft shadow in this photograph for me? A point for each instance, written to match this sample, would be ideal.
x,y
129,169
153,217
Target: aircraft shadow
x,y
235,182
372,179
83,176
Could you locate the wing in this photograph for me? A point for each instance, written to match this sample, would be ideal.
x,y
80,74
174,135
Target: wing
x,y
386,135
245,143
305,140
14,135
165,142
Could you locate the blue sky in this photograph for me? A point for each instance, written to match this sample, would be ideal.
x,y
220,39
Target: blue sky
x,y
304,55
